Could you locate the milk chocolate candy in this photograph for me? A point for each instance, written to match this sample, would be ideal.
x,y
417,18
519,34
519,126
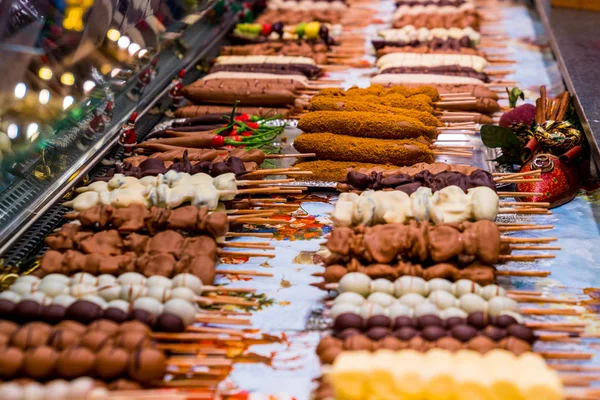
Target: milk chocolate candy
x,y
61,338
464,333
112,362
135,326
378,333
75,362
433,333
109,327
378,321
170,323
7,328
147,365
329,355
405,333
40,362
30,335
326,343
54,313
74,326
429,320
482,344
11,362
358,342
95,340
84,311
401,322
391,343
348,320
132,340
449,343
124,384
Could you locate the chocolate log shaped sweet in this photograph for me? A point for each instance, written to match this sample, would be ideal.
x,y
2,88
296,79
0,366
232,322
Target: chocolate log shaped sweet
x,y
410,183
317,52
449,43
420,242
136,218
310,71
155,166
196,111
329,347
261,96
460,19
477,272
451,70
196,155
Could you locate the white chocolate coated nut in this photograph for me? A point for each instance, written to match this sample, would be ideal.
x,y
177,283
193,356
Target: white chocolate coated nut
x,y
58,389
59,277
412,299
383,299
11,391
489,291
161,294
24,288
131,278
38,297
131,292
349,298
382,285
109,293
64,300
95,299
33,391
442,299
367,310
398,309
343,308
189,281
498,305
182,309
84,277
439,284
119,304
453,312
106,280
82,289
159,281
53,288
464,286
426,309
27,279
11,296
148,304
356,282
410,284
184,293
472,302
81,387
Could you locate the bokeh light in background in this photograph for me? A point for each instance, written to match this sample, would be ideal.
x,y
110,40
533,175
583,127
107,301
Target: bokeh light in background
x,y
20,90
44,96
13,131
67,102
124,42
45,73
88,86
113,35
67,79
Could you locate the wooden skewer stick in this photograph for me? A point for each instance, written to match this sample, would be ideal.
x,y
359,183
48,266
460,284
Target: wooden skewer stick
x,y
226,289
253,215
524,211
264,182
269,189
519,194
549,311
212,329
565,355
525,204
524,228
223,253
507,239
522,180
212,300
535,248
502,175
222,320
249,234
536,299
247,245
272,221
243,272
524,257
532,274
556,324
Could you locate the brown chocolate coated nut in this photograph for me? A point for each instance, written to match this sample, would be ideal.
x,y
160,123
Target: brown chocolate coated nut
x,y
482,344
378,321
124,384
378,333
95,340
147,365
40,362
391,343
11,361
329,355
132,340
464,333
346,333
112,362
73,326
61,338
449,343
29,336
433,333
135,326
109,327
75,362
328,342
7,328
358,342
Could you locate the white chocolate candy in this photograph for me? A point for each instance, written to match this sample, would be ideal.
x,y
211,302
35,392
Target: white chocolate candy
x,y
440,284
442,299
64,300
27,279
131,292
356,282
109,293
489,291
161,294
148,304
159,281
485,203
367,310
190,281
184,293
81,387
424,79
343,308
464,286
426,309
58,389
33,391
131,278
59,277
471,302
11,296
182,309
106,280
11,391
383,299
53,288
453,312
349,298
38,297
119,304
383,286
96,300
84,277
23,288
410,284
398,309
498,305
412,299
223,60
81,289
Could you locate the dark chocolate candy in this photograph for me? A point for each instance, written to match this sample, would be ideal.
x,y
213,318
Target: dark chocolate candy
x,y
169,323
348,320
478,320
401,322
433,333
84,311
378,332
378,320
464,333
406,333
429,320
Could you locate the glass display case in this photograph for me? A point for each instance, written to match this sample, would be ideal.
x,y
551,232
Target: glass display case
x,y
72,74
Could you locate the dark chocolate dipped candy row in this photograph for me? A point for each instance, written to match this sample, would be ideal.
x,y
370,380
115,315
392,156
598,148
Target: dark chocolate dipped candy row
x,y
174,319
104,349
432,327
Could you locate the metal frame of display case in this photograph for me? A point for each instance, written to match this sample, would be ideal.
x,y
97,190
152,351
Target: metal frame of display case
x,y
574,36
27,199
